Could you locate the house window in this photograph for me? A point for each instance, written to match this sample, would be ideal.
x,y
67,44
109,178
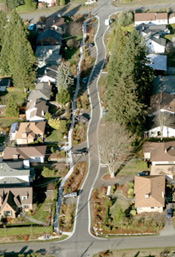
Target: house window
x,y
26,206
8,213
158,133
24,197
152,207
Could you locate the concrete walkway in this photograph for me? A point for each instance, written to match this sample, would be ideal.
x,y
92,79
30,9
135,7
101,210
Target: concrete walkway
x,y
168,228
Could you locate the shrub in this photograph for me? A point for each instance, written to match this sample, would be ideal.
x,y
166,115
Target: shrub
x,y
125,18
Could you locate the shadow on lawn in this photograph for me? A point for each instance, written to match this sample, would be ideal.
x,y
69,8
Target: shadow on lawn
x,y
22,252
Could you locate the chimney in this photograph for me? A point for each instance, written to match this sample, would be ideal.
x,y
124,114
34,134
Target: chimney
x,y
147,195
165,150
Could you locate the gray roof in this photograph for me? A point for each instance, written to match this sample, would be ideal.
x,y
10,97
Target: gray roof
x,y
49,37
48,54
164,83
14,127
7,170
49,70
157,61
42,91
39,106
154,33
12,180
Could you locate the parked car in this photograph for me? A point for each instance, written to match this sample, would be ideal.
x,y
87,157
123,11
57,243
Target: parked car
x,y
169,213
144,173
80,152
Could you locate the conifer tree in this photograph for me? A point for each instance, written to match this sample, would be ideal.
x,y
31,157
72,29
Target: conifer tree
x,y
17,57
129,80
3,22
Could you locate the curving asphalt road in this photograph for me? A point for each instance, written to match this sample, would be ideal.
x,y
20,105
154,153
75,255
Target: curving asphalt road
x,y
82,243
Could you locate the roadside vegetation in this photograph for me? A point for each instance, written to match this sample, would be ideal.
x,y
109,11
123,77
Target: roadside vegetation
x,y
116,214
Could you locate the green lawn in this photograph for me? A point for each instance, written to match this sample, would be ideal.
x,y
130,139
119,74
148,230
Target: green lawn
x,y
7,122
18,95
24,230
42,211
169,37
133,167
55,136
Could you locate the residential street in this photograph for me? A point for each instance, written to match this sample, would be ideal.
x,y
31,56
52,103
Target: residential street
x,y
82,243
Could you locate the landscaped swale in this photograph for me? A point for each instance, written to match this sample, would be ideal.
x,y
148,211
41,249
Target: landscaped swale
x,y
116,214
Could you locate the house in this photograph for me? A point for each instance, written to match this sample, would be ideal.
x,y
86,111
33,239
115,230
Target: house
x,y
30,153
164,83
47,73
48,2
155,45
13,130
153,37
29,132
160,131
172,18
151,18
4,83
13,201
57,23
36,110
157,62
14,174
161,102
149,193
159,153
49,37
42,91
49,54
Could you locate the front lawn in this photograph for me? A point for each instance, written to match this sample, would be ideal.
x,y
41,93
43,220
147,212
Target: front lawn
x,y
133,167
24,230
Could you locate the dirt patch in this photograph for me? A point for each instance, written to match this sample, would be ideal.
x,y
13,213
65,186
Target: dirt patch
x,y
108,177
75,180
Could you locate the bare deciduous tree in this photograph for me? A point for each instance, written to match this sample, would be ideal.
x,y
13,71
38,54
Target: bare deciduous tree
x,y
114,145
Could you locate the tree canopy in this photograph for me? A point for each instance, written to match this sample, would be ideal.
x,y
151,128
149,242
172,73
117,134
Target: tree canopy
x,y
129,79
17,58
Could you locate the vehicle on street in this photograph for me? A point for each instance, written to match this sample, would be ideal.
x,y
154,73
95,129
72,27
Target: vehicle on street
x,y
80,152
144,173
169,213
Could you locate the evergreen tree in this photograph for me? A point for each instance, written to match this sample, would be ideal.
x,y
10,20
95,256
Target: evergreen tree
x,y
31,4
17,57
64,78
129,80
63,96
3,22
12,4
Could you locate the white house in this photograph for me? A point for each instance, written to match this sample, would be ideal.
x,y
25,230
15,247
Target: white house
x,y
172,18
48,74
151,18
11,173
159,132
48,2
36,110
155,45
